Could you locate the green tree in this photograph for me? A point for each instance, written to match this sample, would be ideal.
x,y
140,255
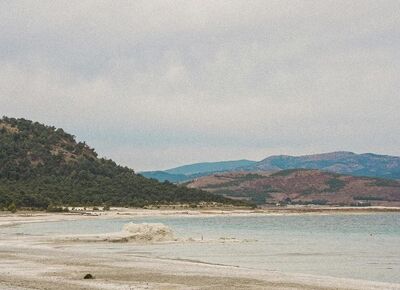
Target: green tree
x,y
12,207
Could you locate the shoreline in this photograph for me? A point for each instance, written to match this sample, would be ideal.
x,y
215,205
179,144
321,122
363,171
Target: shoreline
x,y
46,267
8,219
66,271
31,262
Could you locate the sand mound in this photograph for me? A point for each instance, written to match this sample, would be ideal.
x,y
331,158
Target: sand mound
x,y
147,232
140,233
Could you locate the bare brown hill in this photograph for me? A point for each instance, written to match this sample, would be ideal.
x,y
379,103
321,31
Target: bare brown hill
x,y
302,186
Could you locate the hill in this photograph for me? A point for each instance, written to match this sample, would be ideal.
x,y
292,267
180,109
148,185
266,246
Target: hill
x,y
302,186
368,164
206,167
349,163
41,165
165,176
192,171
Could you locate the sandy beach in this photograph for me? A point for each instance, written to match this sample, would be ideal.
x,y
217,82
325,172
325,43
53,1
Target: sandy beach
x,y
43,262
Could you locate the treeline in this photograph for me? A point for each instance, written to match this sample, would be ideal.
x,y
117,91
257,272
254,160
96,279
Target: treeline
x,y
42,166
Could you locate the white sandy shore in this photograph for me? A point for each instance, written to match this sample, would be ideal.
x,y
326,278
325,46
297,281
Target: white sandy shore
x,y
28,262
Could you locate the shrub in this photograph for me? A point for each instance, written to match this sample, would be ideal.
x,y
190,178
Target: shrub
x,y
12,207
359,197
335,184
52,208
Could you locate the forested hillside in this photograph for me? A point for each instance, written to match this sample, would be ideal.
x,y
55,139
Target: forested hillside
x,y
42,166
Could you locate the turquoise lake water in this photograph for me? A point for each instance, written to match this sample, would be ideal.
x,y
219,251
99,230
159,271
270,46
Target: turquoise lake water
x,y
350,246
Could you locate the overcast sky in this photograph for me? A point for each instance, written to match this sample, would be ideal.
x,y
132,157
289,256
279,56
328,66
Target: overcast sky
x,y
156,84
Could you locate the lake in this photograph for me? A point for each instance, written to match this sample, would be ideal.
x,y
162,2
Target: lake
x,y
364,246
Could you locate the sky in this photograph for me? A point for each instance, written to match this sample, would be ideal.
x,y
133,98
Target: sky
x,y
157,84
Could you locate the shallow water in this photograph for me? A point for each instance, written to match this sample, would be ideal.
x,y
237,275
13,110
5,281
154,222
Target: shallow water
x,y
351,246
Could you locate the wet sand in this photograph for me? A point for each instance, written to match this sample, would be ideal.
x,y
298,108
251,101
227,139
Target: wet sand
x,y
30,262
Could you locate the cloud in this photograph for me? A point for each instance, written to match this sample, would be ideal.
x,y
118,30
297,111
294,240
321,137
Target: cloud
x,y
155,84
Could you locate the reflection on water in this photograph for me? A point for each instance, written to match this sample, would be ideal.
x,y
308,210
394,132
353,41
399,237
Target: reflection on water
x,y
352,246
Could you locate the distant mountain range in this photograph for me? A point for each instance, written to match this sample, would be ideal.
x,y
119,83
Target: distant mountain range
x,y
165,176
192,171
199,168
302,186
350,163
368,164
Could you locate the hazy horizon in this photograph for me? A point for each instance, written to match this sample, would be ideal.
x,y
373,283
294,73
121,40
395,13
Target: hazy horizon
x,y
155,85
